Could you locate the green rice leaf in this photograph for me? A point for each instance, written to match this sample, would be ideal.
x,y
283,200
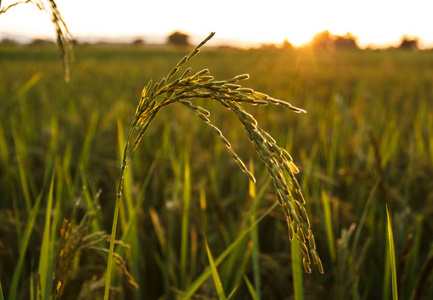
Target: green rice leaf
x,y
185,220
1,292
255,235
199,281
250,288
392,257
46,255
216,277
24,242
297,270
110,260
328,225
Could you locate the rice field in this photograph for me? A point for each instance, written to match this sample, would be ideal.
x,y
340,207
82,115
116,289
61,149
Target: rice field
x,y
191,224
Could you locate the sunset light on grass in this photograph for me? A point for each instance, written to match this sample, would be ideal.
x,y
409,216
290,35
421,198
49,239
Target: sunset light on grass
x,y
216,150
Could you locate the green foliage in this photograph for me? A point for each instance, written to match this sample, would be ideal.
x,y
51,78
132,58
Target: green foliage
x,y
392,257
216,277
297,270
367,139
230,95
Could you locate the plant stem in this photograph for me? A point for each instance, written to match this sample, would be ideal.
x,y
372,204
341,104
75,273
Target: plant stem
x,y
116,216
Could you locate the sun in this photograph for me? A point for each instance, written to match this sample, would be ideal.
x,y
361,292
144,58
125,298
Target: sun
x,y
296,22
300,37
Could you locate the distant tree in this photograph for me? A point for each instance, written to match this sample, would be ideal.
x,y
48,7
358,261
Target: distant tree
x,y
345,42
269,46
322,40
41,42
286,44
8,41
325,40
178,38
407,43
138,42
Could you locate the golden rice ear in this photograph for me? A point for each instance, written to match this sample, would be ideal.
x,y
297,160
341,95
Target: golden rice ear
x,y
184,90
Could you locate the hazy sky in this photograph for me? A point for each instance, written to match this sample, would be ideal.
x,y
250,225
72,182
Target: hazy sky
x,y
376,22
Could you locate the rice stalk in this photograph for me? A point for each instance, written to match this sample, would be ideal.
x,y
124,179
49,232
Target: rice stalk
x,y
392,256
76,238
297,270
202,85
63,36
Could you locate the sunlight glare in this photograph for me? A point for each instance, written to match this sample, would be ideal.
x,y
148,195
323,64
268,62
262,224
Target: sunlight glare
x,y
272,21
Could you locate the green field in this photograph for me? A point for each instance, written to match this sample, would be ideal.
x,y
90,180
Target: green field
x,y
365,143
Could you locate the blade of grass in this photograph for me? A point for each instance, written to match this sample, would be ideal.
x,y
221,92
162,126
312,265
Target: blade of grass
x,y
297,269
4,151
328,225
20,150
158,228
185,220
241,267
203,207
131,233
423,285
1,292
216,277
193,252
231,272
24,242
254,235
6,158
110,260
364,215
199,281
19,96
66,166
414,259
250,288
239,256
46,255
386,275
233,292
90,135
392,257
32,284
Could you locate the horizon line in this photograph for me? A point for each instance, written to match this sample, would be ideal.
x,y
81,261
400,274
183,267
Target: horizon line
x,y
161,39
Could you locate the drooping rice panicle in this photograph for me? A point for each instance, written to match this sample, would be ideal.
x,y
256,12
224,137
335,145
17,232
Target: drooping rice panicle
x,y
231,95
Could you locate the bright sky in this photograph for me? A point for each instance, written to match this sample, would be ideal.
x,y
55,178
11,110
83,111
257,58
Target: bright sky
x,y
375,22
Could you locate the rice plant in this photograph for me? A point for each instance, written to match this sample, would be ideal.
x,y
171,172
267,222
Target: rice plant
x,y
363,143
231,95
64,37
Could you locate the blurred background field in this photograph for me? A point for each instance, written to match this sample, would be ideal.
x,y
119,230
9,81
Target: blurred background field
x,y
365,142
